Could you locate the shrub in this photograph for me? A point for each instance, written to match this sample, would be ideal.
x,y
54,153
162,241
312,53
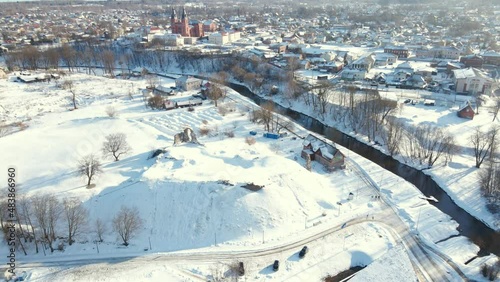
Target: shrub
x,y
205,122
111,111
223,110
21,125
156,102
253,187
190,109
250,140
484,270
490,271
229,133
204,131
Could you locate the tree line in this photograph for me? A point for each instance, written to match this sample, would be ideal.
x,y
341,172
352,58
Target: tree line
x,y
45,222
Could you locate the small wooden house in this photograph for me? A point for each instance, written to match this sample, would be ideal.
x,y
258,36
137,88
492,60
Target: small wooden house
x,y
325,153
466,111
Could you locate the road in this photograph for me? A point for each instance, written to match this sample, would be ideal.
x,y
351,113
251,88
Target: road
x,y
429,264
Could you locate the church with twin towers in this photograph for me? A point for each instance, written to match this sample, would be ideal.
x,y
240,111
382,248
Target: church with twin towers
x,y
183,27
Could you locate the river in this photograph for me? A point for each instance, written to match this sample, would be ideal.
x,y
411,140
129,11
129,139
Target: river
x,y
483,236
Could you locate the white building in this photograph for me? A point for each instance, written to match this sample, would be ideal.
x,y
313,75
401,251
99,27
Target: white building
x,y
221,38
218,38
173,40
471,81
234,36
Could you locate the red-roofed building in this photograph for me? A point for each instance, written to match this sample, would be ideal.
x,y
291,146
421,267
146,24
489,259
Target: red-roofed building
x,y
183,27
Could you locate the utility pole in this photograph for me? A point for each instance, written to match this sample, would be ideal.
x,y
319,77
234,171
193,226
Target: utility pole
x,y
149,243
216,239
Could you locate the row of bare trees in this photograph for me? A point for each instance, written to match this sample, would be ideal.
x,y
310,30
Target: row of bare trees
x,y
38,220
73,57
423,143
485,145
42,221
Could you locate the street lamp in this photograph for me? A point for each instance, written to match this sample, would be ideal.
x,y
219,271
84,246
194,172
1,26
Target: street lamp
x,y
340,204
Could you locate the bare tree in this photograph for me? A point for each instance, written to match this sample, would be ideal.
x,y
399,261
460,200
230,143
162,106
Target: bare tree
x,y
43,210
152,81
482,143
127,223
76,216
54,213
215,93
26,211
108,62
323,91
489,179
89,166
393,135
116,145
52,58
264,115
68,56
496,108
100,228
31,56
70,86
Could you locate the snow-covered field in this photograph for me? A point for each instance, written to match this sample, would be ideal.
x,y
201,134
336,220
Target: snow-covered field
x,y
187,210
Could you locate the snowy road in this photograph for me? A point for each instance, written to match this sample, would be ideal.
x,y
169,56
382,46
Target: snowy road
x,y
429,264
427,267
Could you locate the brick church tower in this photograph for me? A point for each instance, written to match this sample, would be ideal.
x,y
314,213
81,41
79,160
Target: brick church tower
x,y
183,28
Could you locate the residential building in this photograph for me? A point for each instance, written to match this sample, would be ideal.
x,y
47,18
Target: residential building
x,y
445,52
474,61
491,58
323,152
363,63
218,38
471,81
187,83
400,51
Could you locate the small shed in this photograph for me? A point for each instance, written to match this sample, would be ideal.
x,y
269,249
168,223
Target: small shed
x,y
466,111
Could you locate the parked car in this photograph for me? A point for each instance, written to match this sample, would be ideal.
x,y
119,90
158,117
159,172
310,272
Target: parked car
x,y
241,269
276,265
199,95
303,252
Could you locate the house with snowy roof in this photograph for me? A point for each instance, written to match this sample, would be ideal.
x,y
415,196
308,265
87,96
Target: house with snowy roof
x,y
466,111
471,81
187,83
324,153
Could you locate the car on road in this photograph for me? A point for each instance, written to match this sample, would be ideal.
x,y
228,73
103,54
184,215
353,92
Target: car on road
x,y
303,252
276,265
241,269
